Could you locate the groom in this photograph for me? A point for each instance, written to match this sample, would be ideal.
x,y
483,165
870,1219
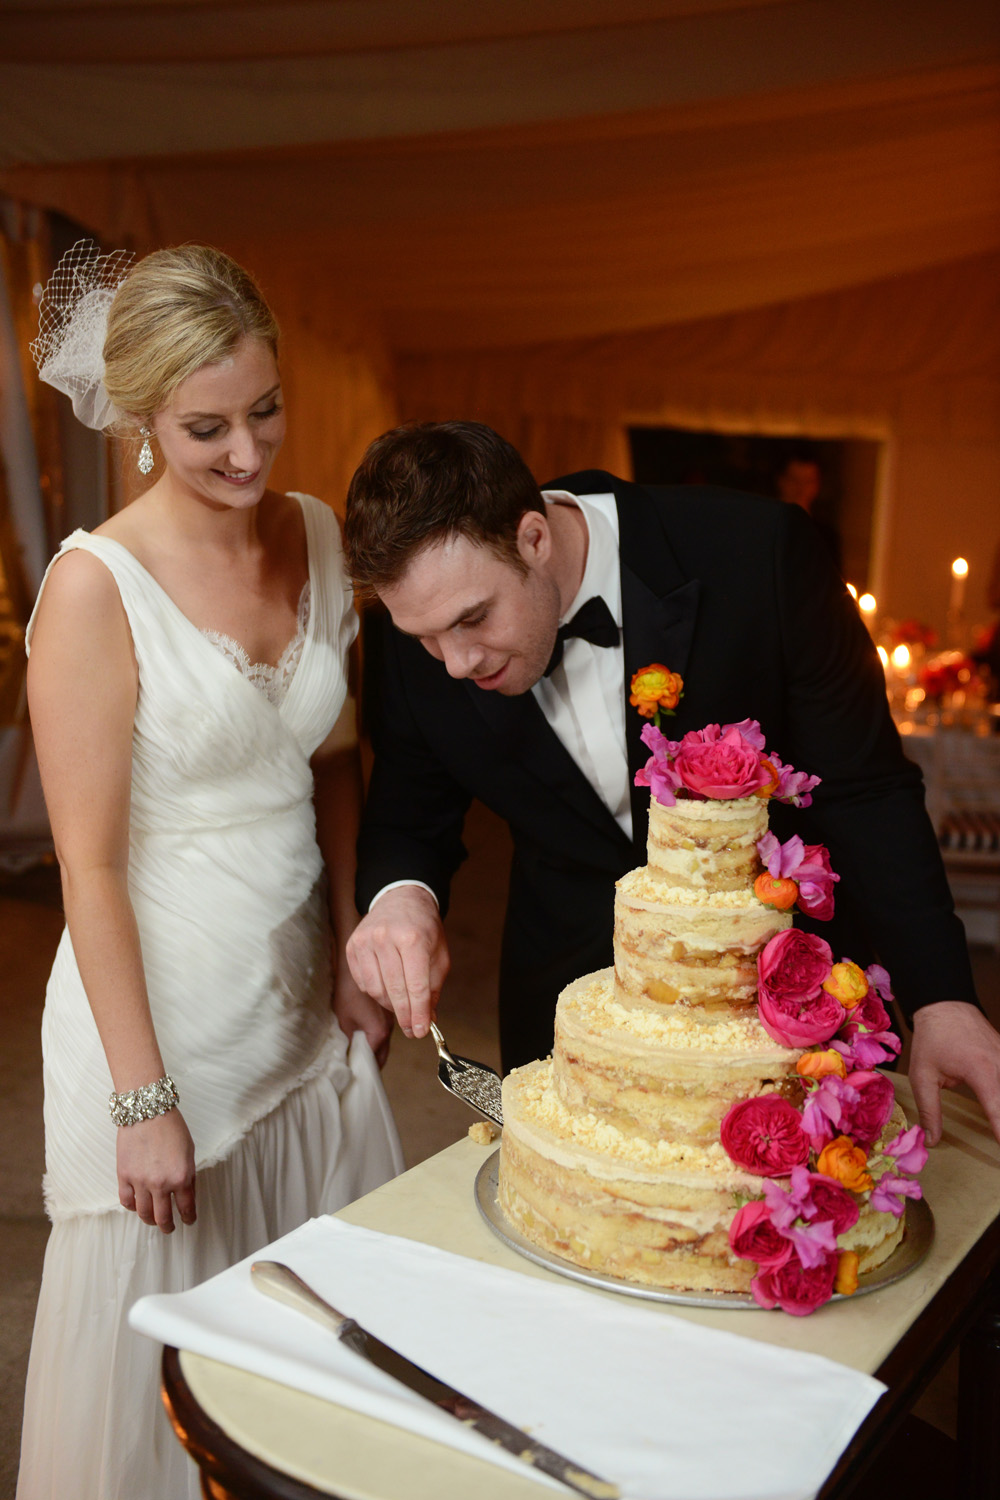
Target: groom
x,y
518,620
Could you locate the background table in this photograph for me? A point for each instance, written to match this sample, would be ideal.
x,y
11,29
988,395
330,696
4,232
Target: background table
x,y
260,1439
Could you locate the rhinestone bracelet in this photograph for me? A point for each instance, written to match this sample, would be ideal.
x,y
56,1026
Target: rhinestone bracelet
x,y
144,1104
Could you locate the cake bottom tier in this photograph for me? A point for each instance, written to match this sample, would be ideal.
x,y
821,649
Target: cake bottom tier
x,y
654,1213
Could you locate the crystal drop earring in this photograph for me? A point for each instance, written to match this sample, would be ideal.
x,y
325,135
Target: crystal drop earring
x,y
145,452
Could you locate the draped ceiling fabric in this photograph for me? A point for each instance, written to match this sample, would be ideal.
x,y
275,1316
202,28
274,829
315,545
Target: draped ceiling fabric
x,y
781,215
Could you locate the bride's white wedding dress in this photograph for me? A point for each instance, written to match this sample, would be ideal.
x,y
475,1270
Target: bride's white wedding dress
x,y
226,881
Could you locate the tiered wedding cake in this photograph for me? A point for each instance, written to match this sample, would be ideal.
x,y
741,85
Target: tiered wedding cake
x,y
710,1118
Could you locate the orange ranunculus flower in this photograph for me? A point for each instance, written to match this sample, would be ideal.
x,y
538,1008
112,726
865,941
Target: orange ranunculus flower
x,y
821,1064
847,983
847,1274
777,891
846,1163
654,688
770,787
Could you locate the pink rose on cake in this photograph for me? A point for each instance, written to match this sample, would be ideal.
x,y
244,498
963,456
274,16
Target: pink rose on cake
x,y
794,1008
765,1136
720,764
753,1236
795,1288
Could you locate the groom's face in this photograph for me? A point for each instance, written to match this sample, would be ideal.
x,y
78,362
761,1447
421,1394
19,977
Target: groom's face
x,y
477,613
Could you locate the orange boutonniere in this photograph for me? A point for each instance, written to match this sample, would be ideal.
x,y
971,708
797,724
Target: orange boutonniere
x,y
656,690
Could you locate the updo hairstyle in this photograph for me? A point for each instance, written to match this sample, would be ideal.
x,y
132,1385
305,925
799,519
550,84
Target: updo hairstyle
x,y
176,311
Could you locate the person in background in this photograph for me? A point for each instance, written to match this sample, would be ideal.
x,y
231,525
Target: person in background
x,y
188,694
799,482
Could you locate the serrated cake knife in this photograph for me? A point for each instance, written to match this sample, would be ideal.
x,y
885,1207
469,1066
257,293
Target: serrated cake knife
x,y
472,1082
280,1281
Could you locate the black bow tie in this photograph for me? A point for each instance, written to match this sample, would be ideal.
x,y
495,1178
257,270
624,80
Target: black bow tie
x,y
592,622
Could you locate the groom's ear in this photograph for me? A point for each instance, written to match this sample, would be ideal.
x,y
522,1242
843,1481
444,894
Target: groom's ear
x,y
534,538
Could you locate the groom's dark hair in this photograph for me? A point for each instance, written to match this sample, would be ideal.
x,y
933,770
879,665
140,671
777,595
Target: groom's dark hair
x,y
430,480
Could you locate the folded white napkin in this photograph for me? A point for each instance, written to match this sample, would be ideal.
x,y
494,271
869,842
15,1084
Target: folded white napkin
x,y
664,1408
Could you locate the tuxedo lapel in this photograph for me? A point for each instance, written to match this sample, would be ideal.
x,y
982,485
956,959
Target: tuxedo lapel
x,y
521,731
659,612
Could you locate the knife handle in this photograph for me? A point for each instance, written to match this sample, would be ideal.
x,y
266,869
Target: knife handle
x,y
280,1282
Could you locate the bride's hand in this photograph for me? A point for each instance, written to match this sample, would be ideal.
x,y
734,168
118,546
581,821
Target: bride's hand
x,y
357,1011
155,1164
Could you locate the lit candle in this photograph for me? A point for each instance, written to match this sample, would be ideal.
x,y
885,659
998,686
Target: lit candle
x,y
959,573
852,591
883,657
867,605
901,657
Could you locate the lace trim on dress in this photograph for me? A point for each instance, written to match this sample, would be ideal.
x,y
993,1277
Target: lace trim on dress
x,y
273,682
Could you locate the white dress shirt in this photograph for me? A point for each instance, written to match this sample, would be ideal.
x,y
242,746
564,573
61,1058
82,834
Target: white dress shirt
x,y
583,699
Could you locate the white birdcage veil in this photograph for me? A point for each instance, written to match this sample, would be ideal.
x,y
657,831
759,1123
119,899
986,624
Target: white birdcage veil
x,y
72,324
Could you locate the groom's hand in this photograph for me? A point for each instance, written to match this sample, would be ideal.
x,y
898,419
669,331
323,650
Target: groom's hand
x,y
399,956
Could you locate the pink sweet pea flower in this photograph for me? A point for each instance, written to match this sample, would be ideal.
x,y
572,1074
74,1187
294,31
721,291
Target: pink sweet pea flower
x,y
909,1150
793,786
813,1242
785,1206
861,1049
889,1193
878,978
828,1111
749,730
658,773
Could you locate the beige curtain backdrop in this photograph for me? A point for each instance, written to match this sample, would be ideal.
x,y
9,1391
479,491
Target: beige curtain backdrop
x,y
566,216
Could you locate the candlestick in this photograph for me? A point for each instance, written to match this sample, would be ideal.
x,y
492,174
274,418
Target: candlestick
x,y
959,573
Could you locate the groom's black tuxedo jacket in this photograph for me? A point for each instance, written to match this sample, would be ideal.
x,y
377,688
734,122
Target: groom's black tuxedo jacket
x,y
739,595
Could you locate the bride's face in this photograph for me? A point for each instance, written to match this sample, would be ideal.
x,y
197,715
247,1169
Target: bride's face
x,y
222,427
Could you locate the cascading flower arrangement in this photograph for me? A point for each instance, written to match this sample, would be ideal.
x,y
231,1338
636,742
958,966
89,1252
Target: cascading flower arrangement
x,y
828,1149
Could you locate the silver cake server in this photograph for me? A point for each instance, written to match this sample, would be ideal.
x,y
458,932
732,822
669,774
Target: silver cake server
x,y
472,1082
280,1281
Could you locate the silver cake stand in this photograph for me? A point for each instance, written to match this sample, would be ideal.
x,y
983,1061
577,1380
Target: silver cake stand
x,y
915,1244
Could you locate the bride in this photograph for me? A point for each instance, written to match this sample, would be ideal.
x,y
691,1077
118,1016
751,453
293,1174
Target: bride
x,y
188,696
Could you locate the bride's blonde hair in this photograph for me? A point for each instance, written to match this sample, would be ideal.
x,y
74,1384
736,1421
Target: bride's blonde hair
x,y
176,311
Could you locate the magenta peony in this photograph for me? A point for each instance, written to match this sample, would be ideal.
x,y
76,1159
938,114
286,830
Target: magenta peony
x,y
831,1201
765,1136
795,1289
752,1236
875,1098
723,769
794,1008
